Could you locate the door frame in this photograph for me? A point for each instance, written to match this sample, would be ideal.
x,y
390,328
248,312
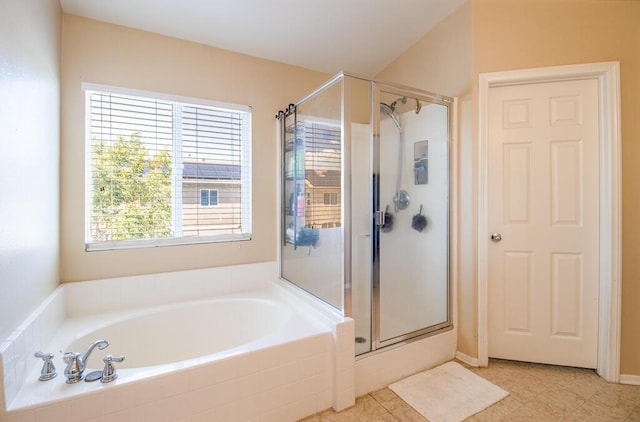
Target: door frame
x,y
608,76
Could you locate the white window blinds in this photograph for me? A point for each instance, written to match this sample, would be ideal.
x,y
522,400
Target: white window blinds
x,y
150,157
323,160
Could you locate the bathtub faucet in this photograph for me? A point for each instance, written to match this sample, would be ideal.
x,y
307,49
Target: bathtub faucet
x,y
77,362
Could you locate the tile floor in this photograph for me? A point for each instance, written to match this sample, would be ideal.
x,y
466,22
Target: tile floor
x,y
538,393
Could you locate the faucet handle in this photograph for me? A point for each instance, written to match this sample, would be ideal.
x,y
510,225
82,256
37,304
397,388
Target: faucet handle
x,y
48,370
73,370
70,357
109,372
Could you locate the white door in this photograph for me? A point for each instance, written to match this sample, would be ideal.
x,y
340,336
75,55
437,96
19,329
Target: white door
x,y
543,202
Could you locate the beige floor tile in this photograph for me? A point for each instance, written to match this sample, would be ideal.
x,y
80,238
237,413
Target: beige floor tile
x,y
367,408
605,413
312,418
525,386
388,399
634,416
561,399
539,393
404,412
499,411
383,418
408,415
581,415
344,416
585,386
619,398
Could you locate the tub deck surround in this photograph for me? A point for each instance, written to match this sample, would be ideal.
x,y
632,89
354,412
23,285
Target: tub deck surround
x,y
16,352
304,364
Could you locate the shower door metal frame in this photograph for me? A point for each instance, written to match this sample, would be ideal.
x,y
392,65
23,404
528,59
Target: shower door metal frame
x,y
424,96
345,151
375,87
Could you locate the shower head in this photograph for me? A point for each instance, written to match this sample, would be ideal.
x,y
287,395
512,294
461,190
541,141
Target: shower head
x,y
402,100
389,110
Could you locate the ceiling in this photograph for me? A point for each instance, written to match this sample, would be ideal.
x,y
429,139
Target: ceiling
x,y
360,36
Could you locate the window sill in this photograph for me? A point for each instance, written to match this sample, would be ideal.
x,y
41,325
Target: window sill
x,y
156,243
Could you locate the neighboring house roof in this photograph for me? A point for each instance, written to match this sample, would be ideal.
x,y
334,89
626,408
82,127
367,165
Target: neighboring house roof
x,y
323,178
211,171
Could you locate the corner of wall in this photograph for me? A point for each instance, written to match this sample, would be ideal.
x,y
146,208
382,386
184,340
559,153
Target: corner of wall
x,y
30,116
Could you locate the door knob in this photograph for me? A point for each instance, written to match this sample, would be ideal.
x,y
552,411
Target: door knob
x,y
496,237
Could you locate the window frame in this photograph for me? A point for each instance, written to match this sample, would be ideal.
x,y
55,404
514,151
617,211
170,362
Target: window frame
x,y
246,173
331,196
217,191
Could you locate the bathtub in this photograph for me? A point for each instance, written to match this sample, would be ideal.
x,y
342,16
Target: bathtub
x,y
218,344
164,335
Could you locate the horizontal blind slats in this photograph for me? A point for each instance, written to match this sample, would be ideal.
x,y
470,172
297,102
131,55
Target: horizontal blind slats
x,y
135,139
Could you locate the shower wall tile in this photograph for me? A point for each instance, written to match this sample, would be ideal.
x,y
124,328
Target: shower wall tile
x,y
25,416
10,384
162,411
247,365
325,398
249,408
223,370
248,386
53,413
120,399
128,415
147,392
89,407
344,350
275,415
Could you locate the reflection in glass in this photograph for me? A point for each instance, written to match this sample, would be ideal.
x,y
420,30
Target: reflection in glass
x,y
365,207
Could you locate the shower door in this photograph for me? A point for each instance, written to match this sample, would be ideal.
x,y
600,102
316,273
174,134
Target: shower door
x,y
365,206
411,227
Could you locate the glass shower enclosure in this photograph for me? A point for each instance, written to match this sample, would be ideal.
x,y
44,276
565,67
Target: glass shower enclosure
x,y
365,192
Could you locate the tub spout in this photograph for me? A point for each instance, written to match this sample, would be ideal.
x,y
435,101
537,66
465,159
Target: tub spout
x,y
101,344
77,363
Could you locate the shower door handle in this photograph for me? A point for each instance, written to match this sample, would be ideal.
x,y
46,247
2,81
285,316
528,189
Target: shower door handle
x,y
380,218
496,237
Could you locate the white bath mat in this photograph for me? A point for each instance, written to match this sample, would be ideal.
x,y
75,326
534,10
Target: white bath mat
x,y
448,393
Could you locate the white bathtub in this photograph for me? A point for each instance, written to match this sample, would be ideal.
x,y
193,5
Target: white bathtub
x,y
180,332
266,353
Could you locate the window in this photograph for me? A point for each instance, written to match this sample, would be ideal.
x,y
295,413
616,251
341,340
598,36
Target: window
x,y
331,198
208,197
165,170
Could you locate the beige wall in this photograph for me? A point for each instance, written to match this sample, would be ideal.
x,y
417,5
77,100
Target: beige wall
x,y
441,62
534,33
507,35
29,135
107,54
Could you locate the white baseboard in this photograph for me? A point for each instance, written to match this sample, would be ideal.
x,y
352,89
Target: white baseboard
x,y
630,379
467,359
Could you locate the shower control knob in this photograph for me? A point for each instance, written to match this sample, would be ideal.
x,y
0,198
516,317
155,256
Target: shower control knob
x,y
496,237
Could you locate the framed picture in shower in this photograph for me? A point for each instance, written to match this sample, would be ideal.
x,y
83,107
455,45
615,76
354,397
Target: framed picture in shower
x,y
421,162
